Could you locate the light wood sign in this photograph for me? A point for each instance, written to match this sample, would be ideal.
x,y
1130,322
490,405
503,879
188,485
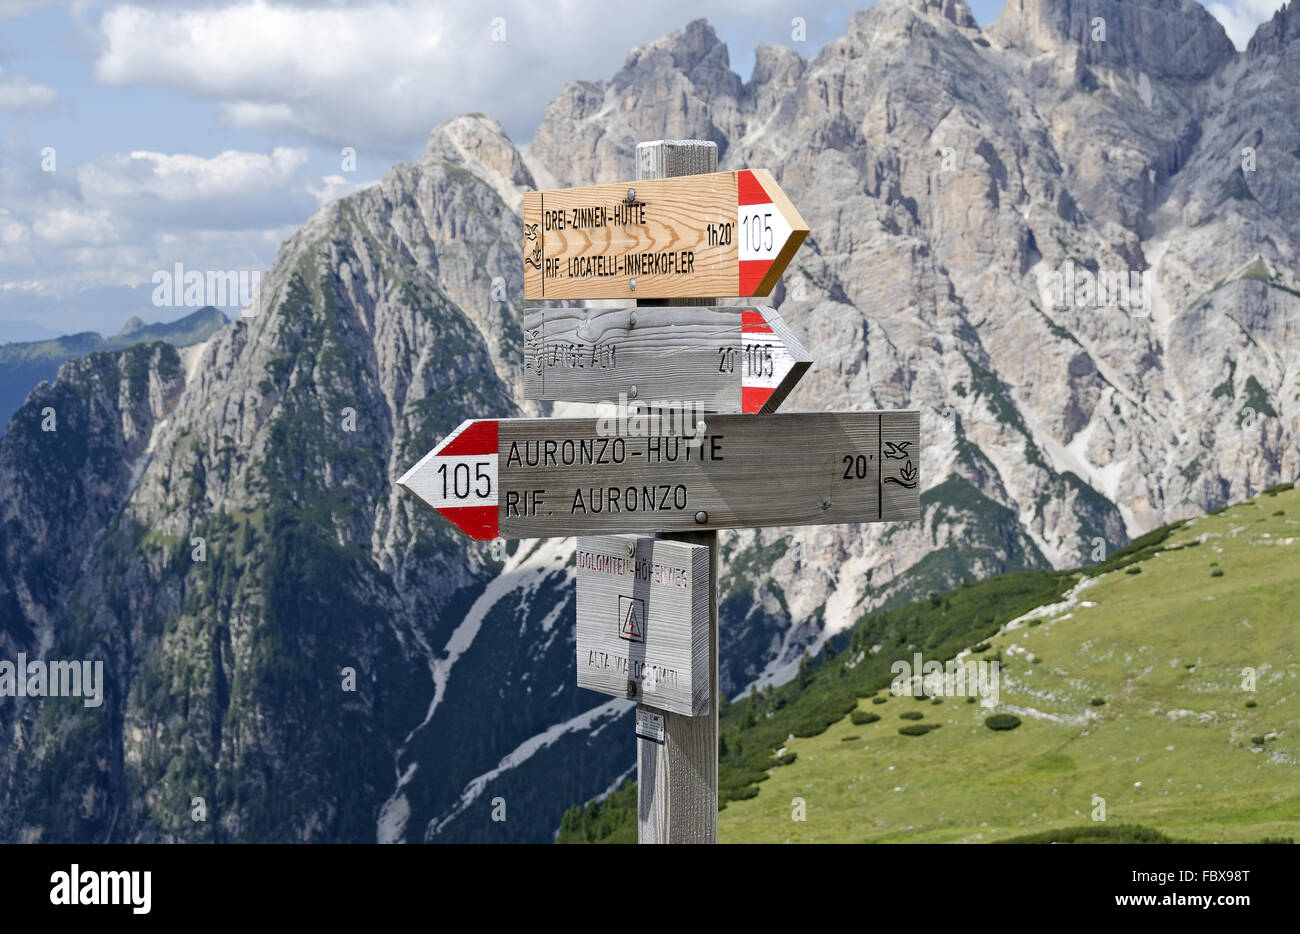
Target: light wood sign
x,y
721,234
556,477
723,359
643,621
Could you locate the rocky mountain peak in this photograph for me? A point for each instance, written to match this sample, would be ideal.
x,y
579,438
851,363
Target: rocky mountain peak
x,y
132,325
479,144
679,86
775,67
1171,39
1273,36
955,11
691,60
695,50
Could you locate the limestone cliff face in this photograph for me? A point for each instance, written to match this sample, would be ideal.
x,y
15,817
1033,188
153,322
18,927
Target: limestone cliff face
x,y
66,468
1174,40
950,176
295,642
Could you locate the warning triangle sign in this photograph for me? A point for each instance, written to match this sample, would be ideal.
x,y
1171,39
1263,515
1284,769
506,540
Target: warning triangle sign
x,y
632,623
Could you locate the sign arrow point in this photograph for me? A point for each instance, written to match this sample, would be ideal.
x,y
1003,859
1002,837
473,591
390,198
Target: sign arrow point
x,y
458,479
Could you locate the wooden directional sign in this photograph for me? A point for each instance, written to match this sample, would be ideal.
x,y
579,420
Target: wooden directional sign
x,y
555,477
721,359
643,621
726,233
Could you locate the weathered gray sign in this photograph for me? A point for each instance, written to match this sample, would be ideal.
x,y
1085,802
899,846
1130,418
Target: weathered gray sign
x,y
556,477
721,359
643,621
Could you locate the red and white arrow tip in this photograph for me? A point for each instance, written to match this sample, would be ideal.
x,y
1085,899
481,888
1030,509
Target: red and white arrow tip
x,y
774,360
458,479
770,231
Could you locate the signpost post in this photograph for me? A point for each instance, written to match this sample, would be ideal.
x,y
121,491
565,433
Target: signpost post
x,y
677,777
665,464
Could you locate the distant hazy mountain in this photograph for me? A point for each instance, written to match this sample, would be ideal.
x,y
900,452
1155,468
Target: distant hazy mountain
x,y
102,309
25,364
230,540
24,331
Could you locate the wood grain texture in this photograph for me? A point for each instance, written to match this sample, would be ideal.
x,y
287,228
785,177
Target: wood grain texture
x,y
556,477
591,243
643,621
561,477
677,780
684,355
673,158
900,484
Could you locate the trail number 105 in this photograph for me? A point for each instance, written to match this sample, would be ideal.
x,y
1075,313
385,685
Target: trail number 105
x,y
458,483
759,237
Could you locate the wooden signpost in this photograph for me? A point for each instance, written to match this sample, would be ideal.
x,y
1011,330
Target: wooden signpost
x,y
555,477
721,359
643,621
724,233
647,607
676,755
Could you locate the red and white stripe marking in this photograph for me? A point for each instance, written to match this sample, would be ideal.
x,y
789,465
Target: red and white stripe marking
x,y
761,229
459,478
765,361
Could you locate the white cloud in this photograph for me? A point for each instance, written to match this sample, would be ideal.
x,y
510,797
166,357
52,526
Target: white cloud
x,y
381,74
339,73
75,225
240,189
117,219
19,93
1241,18
333,187
13,233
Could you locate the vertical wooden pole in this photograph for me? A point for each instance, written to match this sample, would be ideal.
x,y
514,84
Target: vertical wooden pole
x,y
677,782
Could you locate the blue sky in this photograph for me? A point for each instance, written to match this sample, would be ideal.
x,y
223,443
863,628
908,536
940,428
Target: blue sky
x,y
137,135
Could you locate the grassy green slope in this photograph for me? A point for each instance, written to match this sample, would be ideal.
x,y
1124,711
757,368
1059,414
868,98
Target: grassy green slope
x,y
1174,747
1153,631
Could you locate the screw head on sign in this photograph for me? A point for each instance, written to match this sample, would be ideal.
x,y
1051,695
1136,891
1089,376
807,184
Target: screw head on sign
x,y
631,549
631,319
631,689
631,195
631,392
700,427
701,516
632,285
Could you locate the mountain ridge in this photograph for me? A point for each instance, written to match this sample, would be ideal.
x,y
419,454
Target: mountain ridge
x,y
25,364
944,179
